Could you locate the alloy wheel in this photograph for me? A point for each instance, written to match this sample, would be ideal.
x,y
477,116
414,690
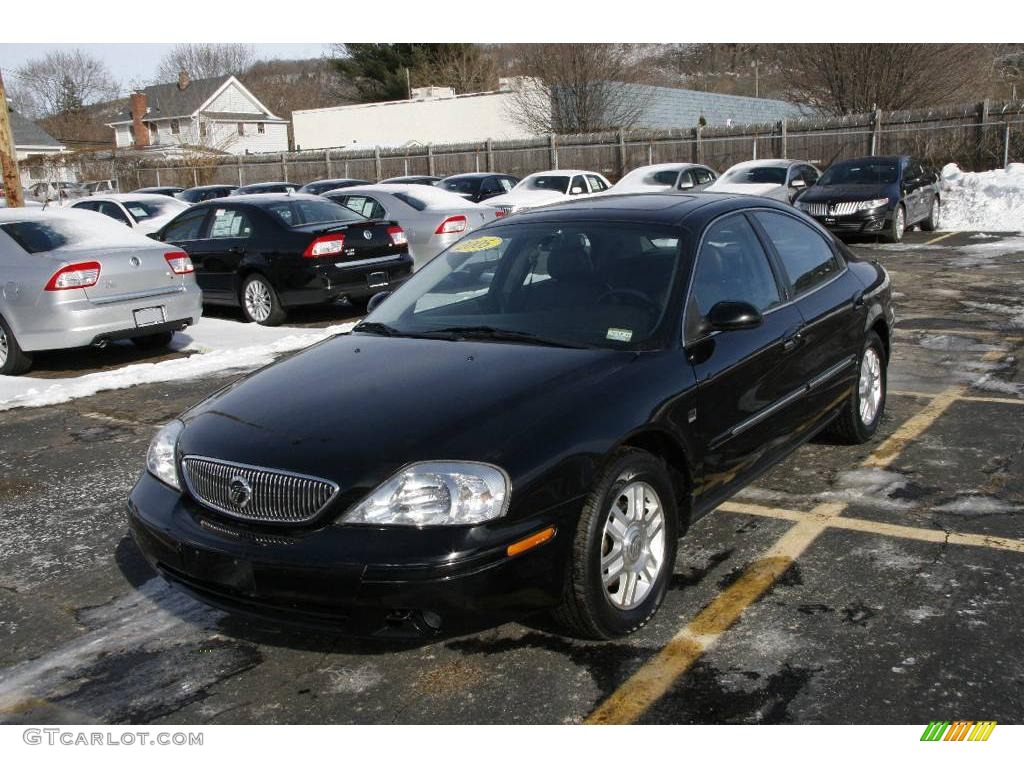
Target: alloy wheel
x,y
3,346
633,545
257,300
901,223
870,386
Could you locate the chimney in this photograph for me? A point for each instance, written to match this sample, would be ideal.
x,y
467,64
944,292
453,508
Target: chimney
x,y
182,80
139,110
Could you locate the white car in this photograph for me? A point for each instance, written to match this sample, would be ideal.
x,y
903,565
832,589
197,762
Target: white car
x,y
781,180
144,213
548,187
665,177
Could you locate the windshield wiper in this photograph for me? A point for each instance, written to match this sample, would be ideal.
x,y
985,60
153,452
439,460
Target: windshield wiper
x,y
380,329
457,332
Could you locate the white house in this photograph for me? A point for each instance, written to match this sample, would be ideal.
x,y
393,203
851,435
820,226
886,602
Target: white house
x,y
433,116
218,114
31,141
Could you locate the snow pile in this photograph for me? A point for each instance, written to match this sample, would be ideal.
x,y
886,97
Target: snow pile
x,y
217,347
987,200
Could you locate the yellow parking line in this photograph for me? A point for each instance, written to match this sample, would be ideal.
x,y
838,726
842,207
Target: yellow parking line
x,y
968,398
940,237
657,676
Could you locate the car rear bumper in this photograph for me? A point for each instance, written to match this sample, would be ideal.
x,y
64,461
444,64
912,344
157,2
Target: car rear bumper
x,y
357,281
329,577
67,320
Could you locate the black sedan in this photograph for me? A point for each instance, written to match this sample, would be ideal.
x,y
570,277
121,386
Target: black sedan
x,y
268,252
479,186
266,187
207,192
875,196
328,185
531,422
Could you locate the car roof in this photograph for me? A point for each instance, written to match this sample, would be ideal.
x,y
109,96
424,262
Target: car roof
x,y
770,163
258,201
331,181
564,172
129,197
213,186
475,175
651,207
260,184
892,158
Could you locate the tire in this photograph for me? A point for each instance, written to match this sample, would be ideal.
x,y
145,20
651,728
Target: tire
x,y
13,360
153,340
260,303
932,222
897,226
850,425
592,608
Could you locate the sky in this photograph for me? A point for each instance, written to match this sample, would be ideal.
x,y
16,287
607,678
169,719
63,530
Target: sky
x,y
138,61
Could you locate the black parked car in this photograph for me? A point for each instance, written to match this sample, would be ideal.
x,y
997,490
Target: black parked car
x,y
429,181
266,187
875,196
530,422
208,192
479,186
269,252
326,185
169,191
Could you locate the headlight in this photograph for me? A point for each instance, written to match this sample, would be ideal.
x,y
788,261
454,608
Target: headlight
x,y
436,493
160,459
867,205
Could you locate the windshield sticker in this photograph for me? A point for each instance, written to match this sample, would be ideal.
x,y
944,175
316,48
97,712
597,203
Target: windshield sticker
x,y
619,334
478,244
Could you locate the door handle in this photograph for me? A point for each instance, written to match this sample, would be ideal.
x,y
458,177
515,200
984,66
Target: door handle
x,y
858,301
792,342
236,250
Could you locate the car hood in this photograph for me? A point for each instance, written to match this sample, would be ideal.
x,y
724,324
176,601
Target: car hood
x,y
846,192
526,198
745,189
356,408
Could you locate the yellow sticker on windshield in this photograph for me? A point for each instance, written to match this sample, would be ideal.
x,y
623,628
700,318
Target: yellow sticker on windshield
x,y
477,244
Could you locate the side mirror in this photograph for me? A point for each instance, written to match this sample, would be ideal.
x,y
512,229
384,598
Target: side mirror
x,y
576,191
733,316
798,183
376,300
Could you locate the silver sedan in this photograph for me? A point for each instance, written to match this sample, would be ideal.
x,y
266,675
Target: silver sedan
x,y
432,218
73,278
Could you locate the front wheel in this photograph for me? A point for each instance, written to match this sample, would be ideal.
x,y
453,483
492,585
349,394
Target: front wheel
x,y
260,303
13,360
862,413
624,549
932,222
897,226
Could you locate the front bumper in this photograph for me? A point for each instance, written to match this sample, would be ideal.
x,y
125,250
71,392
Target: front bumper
x,y
69,319
861,223
355,579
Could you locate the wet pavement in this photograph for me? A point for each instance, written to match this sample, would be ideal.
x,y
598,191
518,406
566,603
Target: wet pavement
x,y
900,603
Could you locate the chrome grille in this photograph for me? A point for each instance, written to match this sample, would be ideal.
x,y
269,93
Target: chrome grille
x,y
835,209
272,497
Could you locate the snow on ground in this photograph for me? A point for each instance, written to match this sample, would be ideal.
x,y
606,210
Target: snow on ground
x,y
215,346
987,200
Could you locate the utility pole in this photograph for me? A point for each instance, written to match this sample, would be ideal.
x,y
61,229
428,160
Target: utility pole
x,y
8,158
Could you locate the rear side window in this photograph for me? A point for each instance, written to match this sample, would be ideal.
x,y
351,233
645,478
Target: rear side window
x,y
596,185
366,207
187,227
732,266
35,236
113,210
294,212
806,257
702,176
228,222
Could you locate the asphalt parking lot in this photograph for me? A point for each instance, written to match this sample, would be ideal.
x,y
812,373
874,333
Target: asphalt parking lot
x,y
869,584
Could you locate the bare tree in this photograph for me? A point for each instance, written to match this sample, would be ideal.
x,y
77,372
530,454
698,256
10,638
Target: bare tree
x,y
576,87
467,68
847,78
201,60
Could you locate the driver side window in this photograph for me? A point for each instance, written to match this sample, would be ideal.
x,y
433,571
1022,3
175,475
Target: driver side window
x,y
731,266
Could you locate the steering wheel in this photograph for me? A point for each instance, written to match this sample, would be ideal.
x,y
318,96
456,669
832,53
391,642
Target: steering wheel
x,y
630,297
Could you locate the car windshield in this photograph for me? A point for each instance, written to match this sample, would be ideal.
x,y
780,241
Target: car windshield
x,y
298,211
462,186
756,175
150,209
864,172
554,183
577,285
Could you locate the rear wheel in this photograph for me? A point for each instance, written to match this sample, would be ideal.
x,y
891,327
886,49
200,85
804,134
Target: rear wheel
x,y
260,303
897,226
932,222
153,340
860,417
624,549
13,361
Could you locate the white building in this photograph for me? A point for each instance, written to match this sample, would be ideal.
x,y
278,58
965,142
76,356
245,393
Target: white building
x,y
218,114
31,141
433,116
